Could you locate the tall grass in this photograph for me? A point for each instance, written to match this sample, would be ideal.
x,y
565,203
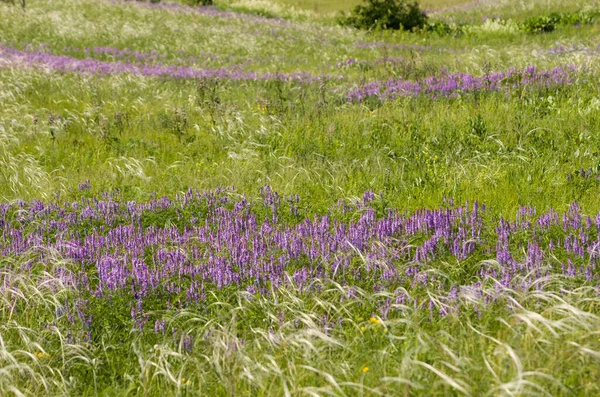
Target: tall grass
x,y
542,342
71,135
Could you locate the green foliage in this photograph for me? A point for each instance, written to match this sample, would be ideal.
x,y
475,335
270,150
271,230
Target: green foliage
x,y
548,23
200,2
541,24
544,23
141,135
441,28
22,2
386,14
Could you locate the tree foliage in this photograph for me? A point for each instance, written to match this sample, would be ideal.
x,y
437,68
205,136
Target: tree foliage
x,y
386,14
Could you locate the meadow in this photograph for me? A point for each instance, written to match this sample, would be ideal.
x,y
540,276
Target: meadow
x,y
251,200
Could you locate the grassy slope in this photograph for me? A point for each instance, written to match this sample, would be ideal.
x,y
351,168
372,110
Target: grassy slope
x,y
258,133
123,131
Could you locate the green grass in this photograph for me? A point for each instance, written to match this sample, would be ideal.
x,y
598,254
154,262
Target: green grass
x,y
335,6
144,135
326,6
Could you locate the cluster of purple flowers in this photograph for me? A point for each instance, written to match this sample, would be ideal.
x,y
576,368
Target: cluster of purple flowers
x,y
589,174
64,63
574,48
152,57
210,241
447,84
452,84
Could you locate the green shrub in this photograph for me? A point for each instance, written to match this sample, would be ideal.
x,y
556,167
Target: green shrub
x,y
21,2
580,18
548,23
541,24
386,14
200,2
440,27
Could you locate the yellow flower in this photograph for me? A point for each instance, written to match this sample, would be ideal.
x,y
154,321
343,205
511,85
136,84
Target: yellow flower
x,y
374,320
42,355
362,328
365,369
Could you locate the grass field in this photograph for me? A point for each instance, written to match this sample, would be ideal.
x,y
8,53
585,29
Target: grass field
x,y
208,201
334,6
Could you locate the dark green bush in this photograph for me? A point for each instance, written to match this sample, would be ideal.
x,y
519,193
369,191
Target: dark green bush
x,y
386,14
22,2
541,24
200,2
